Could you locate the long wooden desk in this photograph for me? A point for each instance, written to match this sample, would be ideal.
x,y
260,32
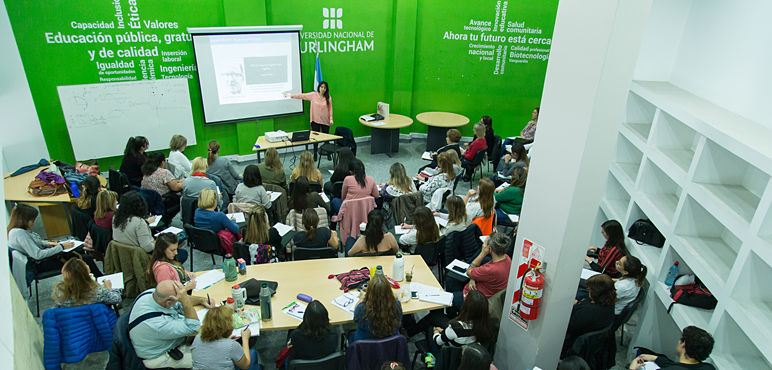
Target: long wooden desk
x,y
316,137
438,124
385,133
310,277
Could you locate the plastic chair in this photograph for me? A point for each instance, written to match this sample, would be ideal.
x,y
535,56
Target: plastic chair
x,y
333,148
300,254
372,353
495,153
596,347
188,208
624,316
204,240
334,361
41,274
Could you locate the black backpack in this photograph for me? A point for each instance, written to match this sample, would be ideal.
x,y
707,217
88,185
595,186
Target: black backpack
x,y
695,295
643,231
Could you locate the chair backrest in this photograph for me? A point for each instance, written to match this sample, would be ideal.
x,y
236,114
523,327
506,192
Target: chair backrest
x,y
495,150
337,189
188,207
133,262
334,361
80,220
463,245
372,353
279,205
241,250
313,253
628,311
204,240
312,186
430,252
220,185
100,236
404,206
455,182
155,204
478,157
122,354
449,358
598,348
496,306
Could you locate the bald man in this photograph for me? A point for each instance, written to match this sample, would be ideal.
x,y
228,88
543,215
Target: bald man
x,y
160,321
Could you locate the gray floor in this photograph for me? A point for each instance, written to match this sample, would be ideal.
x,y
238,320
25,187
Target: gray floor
x,y
270,343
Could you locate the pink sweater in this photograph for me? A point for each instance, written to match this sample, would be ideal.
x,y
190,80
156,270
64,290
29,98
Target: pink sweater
x,y
321,112
164,271
352,190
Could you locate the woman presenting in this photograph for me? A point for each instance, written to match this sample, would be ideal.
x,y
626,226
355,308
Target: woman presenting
x,y
321,107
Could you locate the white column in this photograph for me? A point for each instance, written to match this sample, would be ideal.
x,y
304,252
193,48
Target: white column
x,y
593,56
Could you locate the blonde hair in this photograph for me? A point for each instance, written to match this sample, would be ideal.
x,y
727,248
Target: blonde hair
x,y
217,323
207,199
485,196
444,160
456,210
454,159
178,142
105,202
78,287
399,178
257,226
272,159
306,165
479,130
199,165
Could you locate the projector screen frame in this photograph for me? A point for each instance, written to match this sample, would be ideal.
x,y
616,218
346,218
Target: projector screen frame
x,y
204,31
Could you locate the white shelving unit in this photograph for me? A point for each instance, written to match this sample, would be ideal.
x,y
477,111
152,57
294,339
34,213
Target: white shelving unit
x,y
701,174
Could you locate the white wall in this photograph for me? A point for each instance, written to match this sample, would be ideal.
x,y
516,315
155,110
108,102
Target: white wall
x,y
22,139
662,39
6,312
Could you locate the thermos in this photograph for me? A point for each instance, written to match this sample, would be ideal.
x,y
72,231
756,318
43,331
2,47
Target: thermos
x,y
265,302
398,269
239,295
229,268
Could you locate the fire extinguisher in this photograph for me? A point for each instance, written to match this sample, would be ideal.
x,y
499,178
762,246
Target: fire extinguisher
x,y
531,290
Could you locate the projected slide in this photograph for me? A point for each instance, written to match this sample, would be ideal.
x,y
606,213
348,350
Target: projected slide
x,y
244,72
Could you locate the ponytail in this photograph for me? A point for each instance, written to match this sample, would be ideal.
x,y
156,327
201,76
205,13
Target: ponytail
x,y
639,280
211,155
635,269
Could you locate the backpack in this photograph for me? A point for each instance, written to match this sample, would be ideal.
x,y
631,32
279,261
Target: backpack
x,y
695,295
266,253
227,239
643,231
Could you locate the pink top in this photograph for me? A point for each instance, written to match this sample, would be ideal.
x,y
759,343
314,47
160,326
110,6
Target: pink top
x,y
321,112
106,222
352,190
491,277
164,271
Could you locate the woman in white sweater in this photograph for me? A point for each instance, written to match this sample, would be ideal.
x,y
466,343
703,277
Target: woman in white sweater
x,y
177,159
627,287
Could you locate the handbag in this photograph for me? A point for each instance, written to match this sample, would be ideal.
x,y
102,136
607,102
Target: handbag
x,y
643,231
281,358
46,184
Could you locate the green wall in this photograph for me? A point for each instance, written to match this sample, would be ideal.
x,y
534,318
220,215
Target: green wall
x,y
417,55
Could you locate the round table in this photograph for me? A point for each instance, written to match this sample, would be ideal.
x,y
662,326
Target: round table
x,y
438,124
385,133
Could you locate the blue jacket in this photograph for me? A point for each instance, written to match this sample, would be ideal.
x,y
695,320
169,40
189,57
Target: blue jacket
x,y
69,334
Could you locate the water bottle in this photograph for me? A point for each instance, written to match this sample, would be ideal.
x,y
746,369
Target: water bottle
x,y
398,269
379,270
672,274
265,302
229,268
74,189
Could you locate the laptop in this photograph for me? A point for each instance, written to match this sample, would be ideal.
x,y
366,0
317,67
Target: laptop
x,y
300,136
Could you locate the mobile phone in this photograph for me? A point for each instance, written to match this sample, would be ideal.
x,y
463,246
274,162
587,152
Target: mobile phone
x,y
459,269
414,295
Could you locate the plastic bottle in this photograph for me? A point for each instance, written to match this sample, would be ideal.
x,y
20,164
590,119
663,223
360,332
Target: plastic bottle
x,y
398,268
74,189
379,270
232,302
229,268
672,274
265,302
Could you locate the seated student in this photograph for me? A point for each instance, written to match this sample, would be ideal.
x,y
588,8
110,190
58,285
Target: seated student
x,y
475,357
313,236
302,197
134,158
527,134
213,348
181,163
487,123
106,204
307,168
452,139
358,184
87,199
259,233
157,177
165,264
129,223
467,155
593,313
443,179
378,314
77,288
155,337
510,199
342,169
692,349
518,158
627,287
612,251
198,181
491,277
456,216
206,216
480,202
398,184
222,167
314,338
472,325
272,170
424,231
374,240
252,190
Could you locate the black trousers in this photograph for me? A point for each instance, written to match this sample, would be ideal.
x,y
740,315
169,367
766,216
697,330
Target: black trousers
x,y
318,127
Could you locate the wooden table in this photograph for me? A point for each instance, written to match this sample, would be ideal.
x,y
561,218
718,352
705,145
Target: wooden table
x,y
310,277
316,137
385,133
54,210
438,124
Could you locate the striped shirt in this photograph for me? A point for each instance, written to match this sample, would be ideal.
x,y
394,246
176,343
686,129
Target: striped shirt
x,y
457,334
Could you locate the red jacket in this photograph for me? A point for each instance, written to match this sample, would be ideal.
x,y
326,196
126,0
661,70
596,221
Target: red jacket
x,y
475,147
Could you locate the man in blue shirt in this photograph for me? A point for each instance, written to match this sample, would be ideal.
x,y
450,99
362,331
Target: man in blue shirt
x,y
165,318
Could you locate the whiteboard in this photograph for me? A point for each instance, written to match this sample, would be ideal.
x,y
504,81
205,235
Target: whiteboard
x,y
101,117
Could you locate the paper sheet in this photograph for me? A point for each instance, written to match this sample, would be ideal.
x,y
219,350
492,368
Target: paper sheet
x,y
431,294
399,230
514,218
441,221
379,123
208,279
155,221
427,156
586,274
503,186
75,244
252,312
324,197
115,279
331,171
238,217
273,195
282,228
347,302
483,238
170,229
295,309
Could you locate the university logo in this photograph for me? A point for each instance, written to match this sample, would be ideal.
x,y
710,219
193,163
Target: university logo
x,y
333,18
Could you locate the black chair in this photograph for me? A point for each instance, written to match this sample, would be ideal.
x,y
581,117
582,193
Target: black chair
x,y
494,155
204,240
598,348
80,220
476,163
189,205
40,273
332,149
431,253
463,245
455,182
312,186
445,196
118,181
100,236
333,361
301,254
337,189
621,319
241,250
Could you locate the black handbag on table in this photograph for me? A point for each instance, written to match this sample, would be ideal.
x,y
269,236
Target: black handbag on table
x,y
643,231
